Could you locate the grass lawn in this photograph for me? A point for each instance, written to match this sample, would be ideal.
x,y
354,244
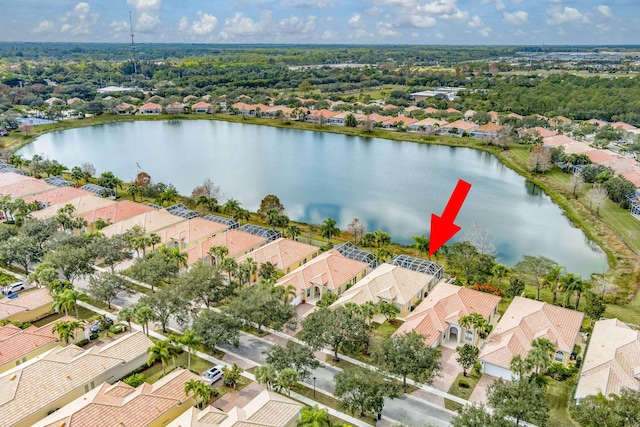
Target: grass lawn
x,y
462,392
154,372
6,279
85,314
558,398
327,401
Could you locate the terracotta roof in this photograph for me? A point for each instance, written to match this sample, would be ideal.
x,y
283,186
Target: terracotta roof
x,y
150,221
431,110
597,122
80,204
267,409
490,127
444,305
72,101
200,104
514,115
116,212
429,121
600,156
323,113
12,177
25,188
526,320
376,117
612,361
122,405
452,110
16,342
151,106
329,269
634,177
387,282
43,382
26,301
542,132
460,124
402,119
557,140
623,126
57,195
282,253
577,147
238,243
190,231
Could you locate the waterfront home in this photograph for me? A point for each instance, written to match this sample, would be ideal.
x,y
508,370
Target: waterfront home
x,y
80,206
150,222
114,213
151,405
457,128
28,306
320,116
31,391
9,178
524,321
438,315
150,108
391,284
125,108
267,409
25,188
612,361
488,131
20,345
189,232
428,125
284,254
393,123
56,196
201,107
328,272
237,242
175,108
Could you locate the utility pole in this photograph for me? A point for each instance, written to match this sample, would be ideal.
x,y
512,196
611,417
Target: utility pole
x,y
133,46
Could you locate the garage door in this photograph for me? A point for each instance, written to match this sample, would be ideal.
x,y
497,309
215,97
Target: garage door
x,y
297,300
497,371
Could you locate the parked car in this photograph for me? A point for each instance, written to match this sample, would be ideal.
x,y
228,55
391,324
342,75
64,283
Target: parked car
x,y
13,288
101,325
213,374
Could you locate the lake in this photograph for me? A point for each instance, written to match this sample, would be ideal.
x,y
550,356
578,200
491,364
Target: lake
x,y
390,185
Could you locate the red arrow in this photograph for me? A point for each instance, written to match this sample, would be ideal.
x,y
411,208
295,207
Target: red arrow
x,y
442,227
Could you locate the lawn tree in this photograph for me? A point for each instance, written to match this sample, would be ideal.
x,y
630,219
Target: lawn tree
x,y
266,375
166,303
190,340
383,255
618,188
553,278
231,375
68,299
597,197
421,244
106,286
22,251
217,254
369,309
292,232
127,314
534,269
201,391
521,400
407,354
481,239
159,351
313,416
328,229
389,311
262,305
267,271
382,238
111,250
576,184
478,416
143,314
465,259
571,284
499,271
540,356
615,410
356,229
359,390
595,307
467,357
334,327
270,202
66,330
295,356
44,274
153,269
327,299
287,379
215,329
203,284
515,288
71,261
539,160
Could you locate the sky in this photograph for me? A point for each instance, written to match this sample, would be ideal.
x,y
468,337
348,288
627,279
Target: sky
x,y
469,22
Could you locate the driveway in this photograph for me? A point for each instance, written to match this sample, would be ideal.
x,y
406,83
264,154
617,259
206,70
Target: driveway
x,y
450,369
479,394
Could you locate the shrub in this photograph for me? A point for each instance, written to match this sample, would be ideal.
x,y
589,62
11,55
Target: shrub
x,y
489,289
462,383
117,328
82,343
135,380
94,336
559,372
477,368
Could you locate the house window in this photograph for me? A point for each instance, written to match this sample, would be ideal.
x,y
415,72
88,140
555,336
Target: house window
x,y
288,270
559,356
308,292
468,335
339,291
304,261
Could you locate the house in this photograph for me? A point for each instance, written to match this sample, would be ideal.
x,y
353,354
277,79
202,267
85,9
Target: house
x,y
612,361
72,101
428,125
438,316
125,108
150,108
431,110
524,321
25,187
53,100
515,116
393,123
452,111
114,213
237,242
468,115
201,107
494,116
563,119
267,409
27,307
189,232
541,132
285,254
80,205
30,391
189,98
328,272
243,109
120,404
175,108
488,131
12,177
557,141
391,284
276,111
20,345
458,128
597,122
150,222
320,116
56,196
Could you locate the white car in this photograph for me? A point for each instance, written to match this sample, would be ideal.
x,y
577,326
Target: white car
x,y
213,374
13,288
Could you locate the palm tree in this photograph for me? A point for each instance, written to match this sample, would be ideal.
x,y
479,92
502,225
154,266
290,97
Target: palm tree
x,y
169,195
288,293
143,314
292,231
218,253
517,366
571,283
190,340
382,238
421,244
499,271
73,295
210,203
154,239
231,205
267,375
328,228
539,357
66,330
229,266
160,350
126,314
247,269
175,255
475,321
76,174
368,310
241,214
390,311
201,391
312,416
63,301
132,190
553,279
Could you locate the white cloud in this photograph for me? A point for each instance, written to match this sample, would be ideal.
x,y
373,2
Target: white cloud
x,y
80,21
296,26
475,22
44,27
240,25
183,24
566,15
147,23
519,17
310,4
119,26
356,21
439,36
145,5
373,11
329,35
386,29
499,5
519,33
485,32
604,10
421,21
205,25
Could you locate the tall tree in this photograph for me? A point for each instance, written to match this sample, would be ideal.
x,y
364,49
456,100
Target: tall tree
x,y
261,305
609,411
312,416
421,244
201,391
553,278
270,203
159,351
288,378
467,357
535,269
214,328
295,356
359,390
521,400
106,286
190,340
572,284
407,354
328,229
267,375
